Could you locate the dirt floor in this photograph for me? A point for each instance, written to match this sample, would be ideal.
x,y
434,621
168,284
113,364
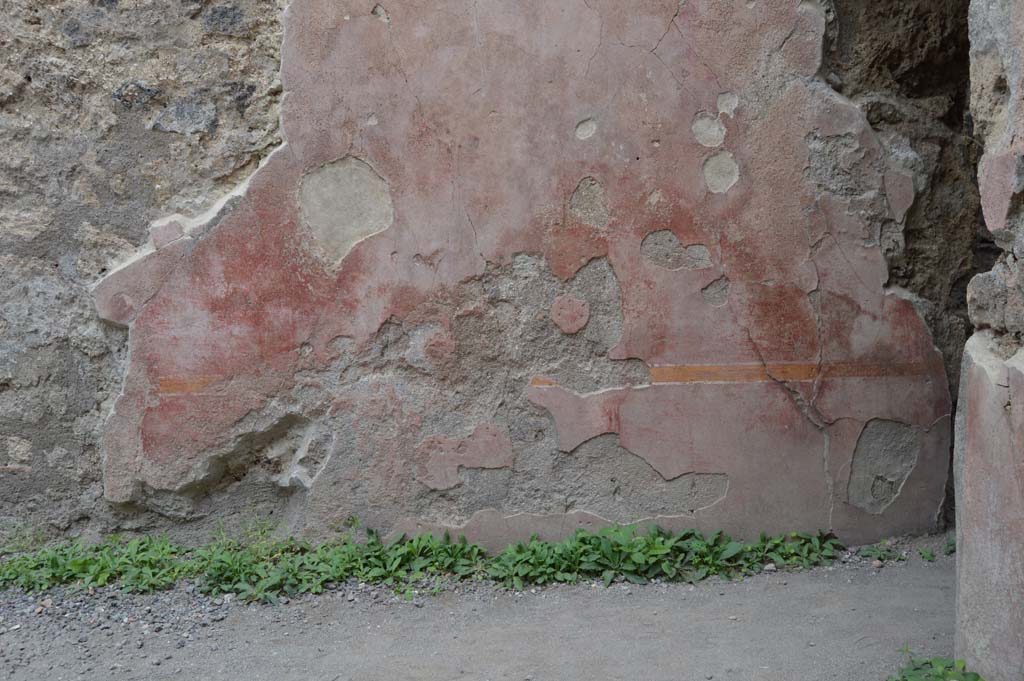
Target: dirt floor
x,y
848,622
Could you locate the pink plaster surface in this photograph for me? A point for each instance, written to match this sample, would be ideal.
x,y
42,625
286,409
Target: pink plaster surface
x,y
990,513
469,111
441,457
570,313
1001,178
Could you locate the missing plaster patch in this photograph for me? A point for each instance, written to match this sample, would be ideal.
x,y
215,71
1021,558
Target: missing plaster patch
x,y
716,294
275,449
721,172
728,103
589,204
886,453
664,249
343,203
708,130
586,129
602,477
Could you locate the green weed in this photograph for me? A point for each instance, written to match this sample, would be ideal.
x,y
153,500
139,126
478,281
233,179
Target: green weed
x,y
258,567
265,570
927,555
144,564
624,552
936,669
881,551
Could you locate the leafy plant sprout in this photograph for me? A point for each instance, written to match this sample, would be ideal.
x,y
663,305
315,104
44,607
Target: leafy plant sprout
x,y
258,567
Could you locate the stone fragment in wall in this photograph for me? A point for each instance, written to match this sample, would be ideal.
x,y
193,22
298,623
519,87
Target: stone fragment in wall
x,y
995,298
899,190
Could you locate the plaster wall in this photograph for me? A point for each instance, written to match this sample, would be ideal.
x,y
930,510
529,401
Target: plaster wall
x,y
504,268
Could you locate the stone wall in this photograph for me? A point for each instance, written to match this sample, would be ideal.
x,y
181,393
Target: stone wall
x,y
989,456
510,268
113,114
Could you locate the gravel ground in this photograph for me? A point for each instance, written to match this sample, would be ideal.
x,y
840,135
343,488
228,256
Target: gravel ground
x,y
848,621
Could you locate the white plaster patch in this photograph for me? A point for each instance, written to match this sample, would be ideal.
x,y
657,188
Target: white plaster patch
x,y
343,203
19,452
586,129
728,103
721,172
708,130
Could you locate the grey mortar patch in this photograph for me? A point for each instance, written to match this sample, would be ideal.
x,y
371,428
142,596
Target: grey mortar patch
x,y
602,477
501,338
586,129
721,172
664,249
342,203
886,453
708,130
716,294
589,204
728,103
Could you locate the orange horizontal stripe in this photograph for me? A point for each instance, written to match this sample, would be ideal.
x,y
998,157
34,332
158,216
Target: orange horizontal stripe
x,y
751,373
730,373
170,384
874,370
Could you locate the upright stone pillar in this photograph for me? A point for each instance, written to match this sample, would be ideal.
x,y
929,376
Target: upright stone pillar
x,y
989,469
989,459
